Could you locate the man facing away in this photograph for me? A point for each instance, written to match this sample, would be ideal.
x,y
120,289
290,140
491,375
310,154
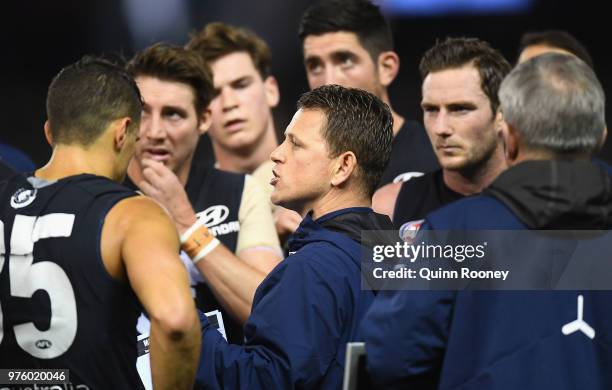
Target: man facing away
x,y
81,253
176,87
311,304
536,43
554,113
461,78
349,43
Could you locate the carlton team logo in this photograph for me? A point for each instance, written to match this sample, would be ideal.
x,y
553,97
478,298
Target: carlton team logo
x,y
23,197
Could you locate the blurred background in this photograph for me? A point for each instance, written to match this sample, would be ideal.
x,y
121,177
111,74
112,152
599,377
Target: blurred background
x,y
40,37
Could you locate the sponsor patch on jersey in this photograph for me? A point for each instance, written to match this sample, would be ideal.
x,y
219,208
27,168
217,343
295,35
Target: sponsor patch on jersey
x,y
409,230
403,177
43,344
213,218
214,215
23,197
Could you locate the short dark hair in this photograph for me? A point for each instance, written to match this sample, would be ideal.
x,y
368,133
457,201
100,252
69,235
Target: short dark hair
x,y
455,53
175,63
218,39
357,16
356,121
559,39
85,97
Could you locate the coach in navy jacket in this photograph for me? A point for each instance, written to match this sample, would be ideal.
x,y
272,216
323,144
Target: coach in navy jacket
x,y
312,303
554,109
303,314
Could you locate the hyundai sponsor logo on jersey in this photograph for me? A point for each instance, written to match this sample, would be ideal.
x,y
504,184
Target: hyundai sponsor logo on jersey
x,y
404,177
23,197
213,218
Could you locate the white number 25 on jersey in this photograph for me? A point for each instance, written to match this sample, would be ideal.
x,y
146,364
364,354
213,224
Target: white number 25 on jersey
x,y
26,278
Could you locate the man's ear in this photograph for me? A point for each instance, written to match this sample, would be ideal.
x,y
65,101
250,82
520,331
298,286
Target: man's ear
x,y
387,66
511,141
121,132
48,134
272,91
205,121
602,141
346,164
499,123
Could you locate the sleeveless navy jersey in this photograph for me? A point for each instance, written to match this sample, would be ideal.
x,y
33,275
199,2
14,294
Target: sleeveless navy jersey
x,y
411,154
204,154
210,192
215,196
59,308
420,196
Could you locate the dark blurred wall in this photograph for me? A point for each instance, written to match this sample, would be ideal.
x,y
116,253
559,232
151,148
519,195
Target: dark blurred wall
x,y
38,38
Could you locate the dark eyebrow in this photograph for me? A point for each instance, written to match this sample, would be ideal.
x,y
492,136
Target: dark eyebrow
x,y
340,55
292,137
241,80
462,105
336,56
310,60
166,109
428,105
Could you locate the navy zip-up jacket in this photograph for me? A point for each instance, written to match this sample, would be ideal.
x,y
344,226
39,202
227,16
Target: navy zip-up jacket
x,y
303,314
502,339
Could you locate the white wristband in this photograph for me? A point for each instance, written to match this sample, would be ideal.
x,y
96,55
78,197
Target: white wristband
x,y
190,230
206,250
198,241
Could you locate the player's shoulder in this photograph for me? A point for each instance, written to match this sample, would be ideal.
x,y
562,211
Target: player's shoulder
x,y
138,212
139,206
